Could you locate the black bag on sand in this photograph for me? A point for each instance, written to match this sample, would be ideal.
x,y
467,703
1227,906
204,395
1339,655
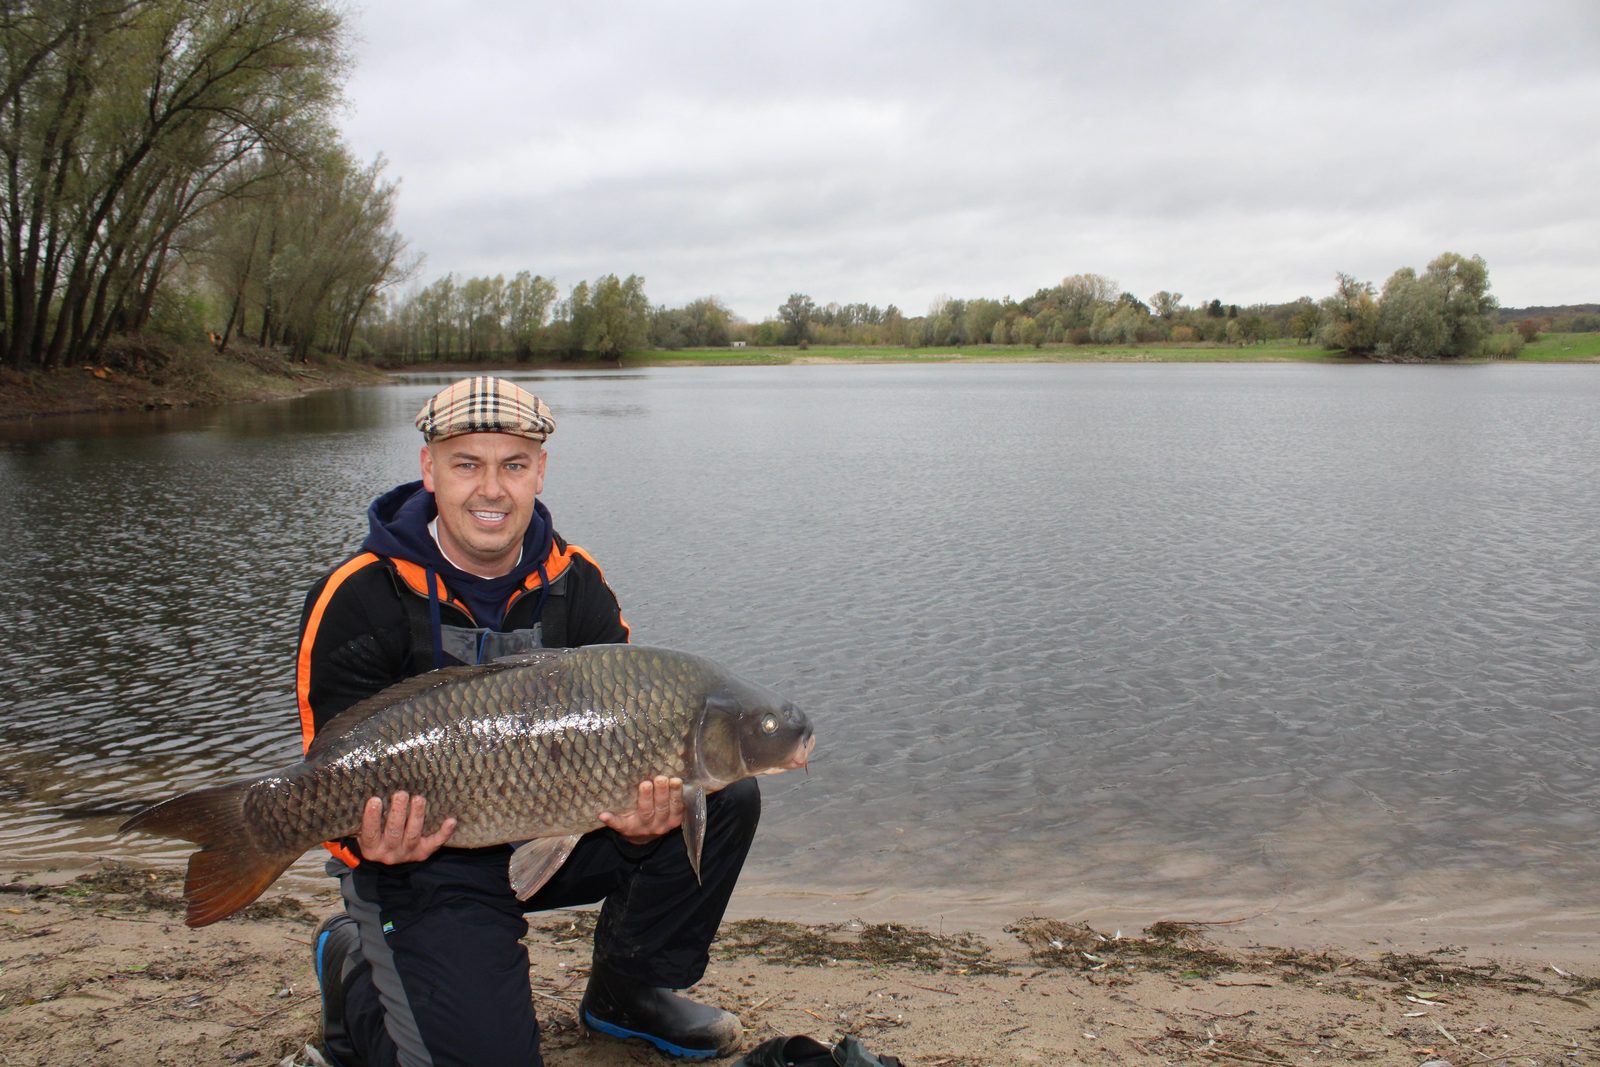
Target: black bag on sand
x,y
802,1051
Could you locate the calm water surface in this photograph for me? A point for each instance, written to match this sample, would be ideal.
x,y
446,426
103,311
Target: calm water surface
x,y
1067,633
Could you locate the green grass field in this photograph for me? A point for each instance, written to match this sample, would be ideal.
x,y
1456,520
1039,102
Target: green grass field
x,y
1551,348
1276,352
1563,348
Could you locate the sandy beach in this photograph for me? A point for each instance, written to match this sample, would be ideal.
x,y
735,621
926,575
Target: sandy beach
x,y
96,967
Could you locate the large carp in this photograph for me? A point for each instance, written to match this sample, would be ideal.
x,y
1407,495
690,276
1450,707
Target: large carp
x,y
531,748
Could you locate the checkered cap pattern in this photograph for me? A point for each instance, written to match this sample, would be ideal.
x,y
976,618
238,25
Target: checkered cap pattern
x,y
484,405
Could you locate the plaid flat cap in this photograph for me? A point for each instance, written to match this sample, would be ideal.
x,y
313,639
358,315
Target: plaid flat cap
x,y
484,405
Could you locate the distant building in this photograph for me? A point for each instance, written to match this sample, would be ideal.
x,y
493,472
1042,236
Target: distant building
x,y
737,344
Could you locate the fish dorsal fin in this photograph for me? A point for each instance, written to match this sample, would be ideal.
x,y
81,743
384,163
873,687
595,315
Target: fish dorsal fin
x,y
350,718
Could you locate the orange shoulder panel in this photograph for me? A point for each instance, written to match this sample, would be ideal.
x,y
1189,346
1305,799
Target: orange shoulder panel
x,y
555,565
415,575
302,686
303,671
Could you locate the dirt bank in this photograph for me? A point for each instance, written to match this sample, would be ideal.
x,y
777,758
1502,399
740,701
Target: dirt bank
x,y
96,968
136,375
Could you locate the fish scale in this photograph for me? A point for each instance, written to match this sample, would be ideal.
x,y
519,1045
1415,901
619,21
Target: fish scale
x,y
527,749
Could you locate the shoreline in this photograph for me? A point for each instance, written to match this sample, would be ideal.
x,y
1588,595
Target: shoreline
x,y
1483,913
97,968
196,376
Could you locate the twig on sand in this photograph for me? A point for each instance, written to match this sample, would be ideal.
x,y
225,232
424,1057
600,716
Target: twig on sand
x,y
255,1024
935,989
1220,1015
1354,1050
565,1002
1216,922
130,918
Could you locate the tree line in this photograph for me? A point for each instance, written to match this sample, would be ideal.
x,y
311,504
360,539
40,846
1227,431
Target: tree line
x,y
172,166
1446,312
491,318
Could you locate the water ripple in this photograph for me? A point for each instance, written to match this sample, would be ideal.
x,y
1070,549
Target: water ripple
x,y
1186,630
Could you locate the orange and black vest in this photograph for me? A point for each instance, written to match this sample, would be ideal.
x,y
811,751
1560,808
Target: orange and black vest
x,y
368,624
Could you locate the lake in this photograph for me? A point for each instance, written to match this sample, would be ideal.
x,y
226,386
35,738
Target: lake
x,y
1168,640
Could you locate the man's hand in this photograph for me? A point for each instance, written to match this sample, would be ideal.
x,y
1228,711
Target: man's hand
x,y
659,811
398,838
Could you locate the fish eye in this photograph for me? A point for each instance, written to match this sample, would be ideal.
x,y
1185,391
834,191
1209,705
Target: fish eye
x,y
769,724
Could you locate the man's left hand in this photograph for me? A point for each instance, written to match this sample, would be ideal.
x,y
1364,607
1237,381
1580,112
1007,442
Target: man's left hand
x,y
659,811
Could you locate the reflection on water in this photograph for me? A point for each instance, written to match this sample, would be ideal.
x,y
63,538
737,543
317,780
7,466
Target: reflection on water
x,y
1182,632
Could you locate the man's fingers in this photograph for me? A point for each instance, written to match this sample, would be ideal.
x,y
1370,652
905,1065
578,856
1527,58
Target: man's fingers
x,y
658,809
372,817
440,836
399,810
415,818
660,792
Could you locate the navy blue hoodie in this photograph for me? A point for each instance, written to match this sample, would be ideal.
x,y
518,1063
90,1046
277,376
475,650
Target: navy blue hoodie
x,y
398,527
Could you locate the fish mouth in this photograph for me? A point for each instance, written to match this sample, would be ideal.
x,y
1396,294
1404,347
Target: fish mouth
x,y
802,756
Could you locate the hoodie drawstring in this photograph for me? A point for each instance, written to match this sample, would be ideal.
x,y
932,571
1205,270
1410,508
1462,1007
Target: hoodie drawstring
x,y
434,625
544,594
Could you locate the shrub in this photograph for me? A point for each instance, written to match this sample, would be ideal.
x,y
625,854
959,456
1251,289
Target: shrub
x,y
178,314
1507,344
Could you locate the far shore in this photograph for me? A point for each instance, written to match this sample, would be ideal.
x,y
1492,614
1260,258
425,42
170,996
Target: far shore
x,y
96,967
129,382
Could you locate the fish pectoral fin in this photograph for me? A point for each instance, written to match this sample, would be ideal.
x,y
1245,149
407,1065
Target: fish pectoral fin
x,y
533,864
694,824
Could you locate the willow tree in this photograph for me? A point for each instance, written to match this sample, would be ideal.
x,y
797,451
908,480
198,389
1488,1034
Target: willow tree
x,y
1445,313
121,123
329,250
1350,317
608,319
529,300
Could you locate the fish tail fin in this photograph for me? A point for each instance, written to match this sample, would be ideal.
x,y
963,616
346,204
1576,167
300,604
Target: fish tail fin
x,y
223,880
229,871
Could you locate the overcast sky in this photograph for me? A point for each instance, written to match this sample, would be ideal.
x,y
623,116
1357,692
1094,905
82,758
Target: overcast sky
x,y
896,152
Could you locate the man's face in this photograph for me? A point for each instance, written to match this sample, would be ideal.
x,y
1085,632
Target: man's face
x,y
484,484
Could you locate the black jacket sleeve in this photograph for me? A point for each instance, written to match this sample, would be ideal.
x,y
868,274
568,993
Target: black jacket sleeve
x,y
355,641
594,616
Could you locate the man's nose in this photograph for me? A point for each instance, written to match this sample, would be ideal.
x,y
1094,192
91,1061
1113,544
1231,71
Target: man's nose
x,y
490,484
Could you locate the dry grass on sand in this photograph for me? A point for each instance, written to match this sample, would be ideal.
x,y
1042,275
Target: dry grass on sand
x,y
98,969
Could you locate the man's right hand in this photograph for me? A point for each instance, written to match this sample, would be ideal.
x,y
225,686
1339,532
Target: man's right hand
x,y
397,837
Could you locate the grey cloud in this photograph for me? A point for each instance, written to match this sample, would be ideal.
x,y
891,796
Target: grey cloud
x,y
894,152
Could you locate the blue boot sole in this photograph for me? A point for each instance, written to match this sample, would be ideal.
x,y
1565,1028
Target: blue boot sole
x,y
659,1042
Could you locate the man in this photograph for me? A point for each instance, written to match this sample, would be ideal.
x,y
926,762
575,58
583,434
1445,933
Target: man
x,y
425,965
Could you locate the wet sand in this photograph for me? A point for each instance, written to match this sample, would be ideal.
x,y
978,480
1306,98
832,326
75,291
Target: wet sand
x,y
97,968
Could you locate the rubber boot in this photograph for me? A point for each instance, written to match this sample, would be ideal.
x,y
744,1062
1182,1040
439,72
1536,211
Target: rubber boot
x,y
620,1006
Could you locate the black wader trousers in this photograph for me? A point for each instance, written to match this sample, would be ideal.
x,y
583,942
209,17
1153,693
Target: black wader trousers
x,y
448,982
